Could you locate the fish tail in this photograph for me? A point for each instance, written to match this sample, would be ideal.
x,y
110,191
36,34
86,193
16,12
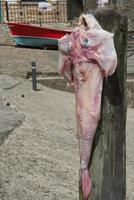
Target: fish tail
x,y
86,183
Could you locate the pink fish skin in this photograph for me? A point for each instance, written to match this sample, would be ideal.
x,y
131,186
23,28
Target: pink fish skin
x,y
86,183
88,83
86,56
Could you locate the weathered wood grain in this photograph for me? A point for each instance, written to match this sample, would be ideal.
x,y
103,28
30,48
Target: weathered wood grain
x,y
107,166
124,6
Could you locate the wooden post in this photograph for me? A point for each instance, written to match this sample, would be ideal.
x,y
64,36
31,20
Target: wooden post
x,y
74,8
107,166
0,12
89,4
7,11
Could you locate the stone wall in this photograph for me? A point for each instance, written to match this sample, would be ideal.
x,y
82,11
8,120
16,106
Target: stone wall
x,y
127,7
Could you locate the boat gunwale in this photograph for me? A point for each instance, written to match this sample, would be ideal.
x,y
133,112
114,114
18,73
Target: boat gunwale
x,y
34,26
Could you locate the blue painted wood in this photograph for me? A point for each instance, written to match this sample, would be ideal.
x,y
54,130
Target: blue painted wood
x,y
35,42
0,12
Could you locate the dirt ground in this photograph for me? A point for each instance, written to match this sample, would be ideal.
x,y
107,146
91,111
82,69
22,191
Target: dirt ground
x,y
17,61
39,159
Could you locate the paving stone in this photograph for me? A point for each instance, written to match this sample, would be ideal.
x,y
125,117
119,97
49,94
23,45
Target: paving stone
x,y
9,119
7,82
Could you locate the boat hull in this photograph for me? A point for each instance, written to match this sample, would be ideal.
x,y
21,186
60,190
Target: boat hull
x,y
35,42
34,36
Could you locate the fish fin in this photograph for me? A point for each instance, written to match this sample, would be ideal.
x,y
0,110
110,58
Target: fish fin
x,y
86,183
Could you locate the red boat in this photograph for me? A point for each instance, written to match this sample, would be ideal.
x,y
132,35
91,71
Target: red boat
x,y
34,36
